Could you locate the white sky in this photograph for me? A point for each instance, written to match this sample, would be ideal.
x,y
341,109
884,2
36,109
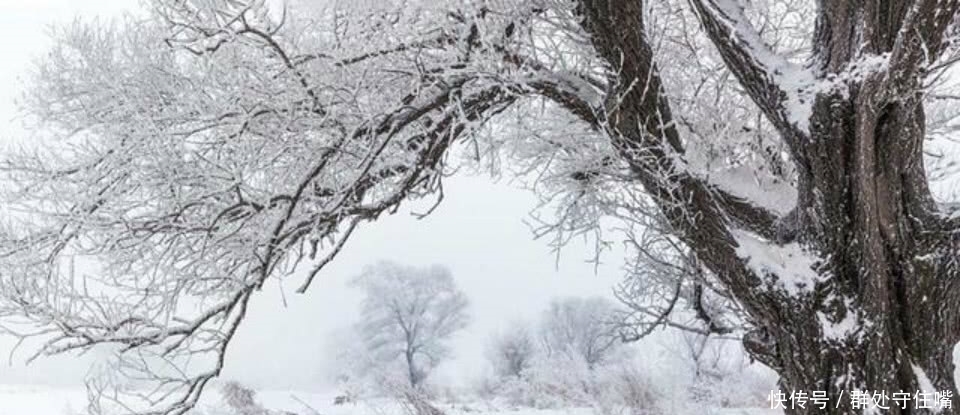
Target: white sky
x,y
478,232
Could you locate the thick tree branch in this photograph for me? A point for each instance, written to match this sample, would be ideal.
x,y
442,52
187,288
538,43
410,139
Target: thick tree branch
x,y
741,211
919,44
641,125
777,86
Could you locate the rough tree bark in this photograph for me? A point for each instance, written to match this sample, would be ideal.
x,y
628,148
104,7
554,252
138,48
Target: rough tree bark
x,y
887,254
881,308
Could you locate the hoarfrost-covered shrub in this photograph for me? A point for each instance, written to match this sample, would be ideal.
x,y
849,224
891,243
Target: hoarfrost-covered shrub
x,y
744,387
563,381
551,382
721,373
630,391
241,400
512,351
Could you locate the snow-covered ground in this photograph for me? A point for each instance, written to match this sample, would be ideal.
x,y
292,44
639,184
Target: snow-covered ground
x,y
29,400
35,400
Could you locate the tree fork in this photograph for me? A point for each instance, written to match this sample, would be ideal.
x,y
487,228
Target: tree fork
x,y
864,205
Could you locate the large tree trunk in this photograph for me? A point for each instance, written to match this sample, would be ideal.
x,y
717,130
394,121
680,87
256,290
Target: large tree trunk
x,y
866,209
883,316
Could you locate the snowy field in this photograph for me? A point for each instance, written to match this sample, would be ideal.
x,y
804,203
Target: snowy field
x,y
33,400
624,221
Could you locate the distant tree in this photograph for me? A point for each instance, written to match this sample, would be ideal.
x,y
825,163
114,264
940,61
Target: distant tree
x,y
512,351
410,313
209,146
581,327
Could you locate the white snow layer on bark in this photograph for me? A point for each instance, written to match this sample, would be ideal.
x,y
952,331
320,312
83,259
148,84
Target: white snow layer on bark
x,y
791,267
843,328
794,80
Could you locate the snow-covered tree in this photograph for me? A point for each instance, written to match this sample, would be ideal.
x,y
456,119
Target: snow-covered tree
x,y
512,351
772,150
410,313
582,328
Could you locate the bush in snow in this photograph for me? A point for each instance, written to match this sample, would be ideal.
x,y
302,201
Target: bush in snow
x,y
722,375
241,400
512,351
581,327
575,360
414,402
631,392
563,380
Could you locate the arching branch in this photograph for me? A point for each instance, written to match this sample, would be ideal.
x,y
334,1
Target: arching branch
x,y
640,123
776,85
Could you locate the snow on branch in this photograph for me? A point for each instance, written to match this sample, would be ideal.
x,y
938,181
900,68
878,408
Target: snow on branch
x,y
182,178
779,87
788,267
198,155
919,45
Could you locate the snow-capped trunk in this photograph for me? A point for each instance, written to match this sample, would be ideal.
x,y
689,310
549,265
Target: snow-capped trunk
x,y
871,308
882,314
866,209
853,288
